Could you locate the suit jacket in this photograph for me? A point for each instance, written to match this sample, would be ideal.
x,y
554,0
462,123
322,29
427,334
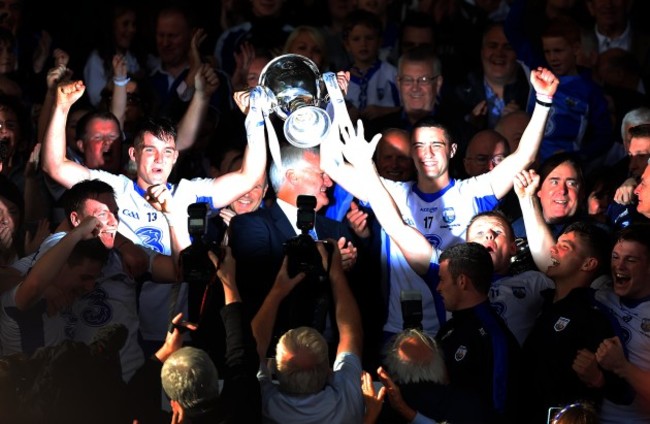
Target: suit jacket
x,y
257,240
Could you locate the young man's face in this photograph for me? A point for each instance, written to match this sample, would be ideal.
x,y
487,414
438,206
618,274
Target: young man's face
x,y
102,147
568,256
105,209
559,194
363,45
560,55
154,159
431,152
76,280
631,270
448,287
418,96
642,192
493,233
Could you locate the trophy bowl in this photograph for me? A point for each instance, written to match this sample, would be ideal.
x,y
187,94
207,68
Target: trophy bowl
x,y
298,97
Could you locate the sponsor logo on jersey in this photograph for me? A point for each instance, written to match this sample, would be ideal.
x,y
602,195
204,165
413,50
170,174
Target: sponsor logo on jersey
x,y
131,214
428,210
460,353
448,215
561,324
645,325
434,239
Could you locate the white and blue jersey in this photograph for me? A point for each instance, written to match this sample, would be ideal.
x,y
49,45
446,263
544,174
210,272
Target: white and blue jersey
x,y
146,226
633,316
442,218
377,87
518,300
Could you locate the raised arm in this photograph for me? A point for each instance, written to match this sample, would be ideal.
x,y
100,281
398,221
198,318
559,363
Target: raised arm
x,y
55,164
55,75
231,186
120,82
540,239
414,246
610,356
501,177
348,318
47,267
264,320
206,82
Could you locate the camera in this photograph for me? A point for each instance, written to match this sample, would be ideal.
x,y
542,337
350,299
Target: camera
x,y
301,251
411,301
195,263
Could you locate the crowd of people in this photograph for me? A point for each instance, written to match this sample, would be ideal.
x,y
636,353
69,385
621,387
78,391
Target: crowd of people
x,y
469,242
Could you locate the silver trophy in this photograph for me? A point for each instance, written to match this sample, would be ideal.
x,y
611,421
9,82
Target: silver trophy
x,y
298,97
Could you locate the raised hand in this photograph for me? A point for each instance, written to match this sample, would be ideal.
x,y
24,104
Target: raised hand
x,y
372,399
88,228
610,355
356,149
358,220
119,67
544,82
160,198
526,183
206,81
348,253
57,75
69,92
586,367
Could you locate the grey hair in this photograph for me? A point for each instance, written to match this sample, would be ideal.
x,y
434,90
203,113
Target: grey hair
x,y
190,378
292,157
307,370
638,116
403,370
420,54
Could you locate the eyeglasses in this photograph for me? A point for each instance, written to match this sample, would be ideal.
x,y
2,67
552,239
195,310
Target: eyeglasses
x,y
423,81
484,159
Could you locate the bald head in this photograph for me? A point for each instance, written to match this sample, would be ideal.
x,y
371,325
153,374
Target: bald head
x,y
512,126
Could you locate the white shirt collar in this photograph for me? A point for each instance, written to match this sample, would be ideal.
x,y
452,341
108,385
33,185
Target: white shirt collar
x,y
623,41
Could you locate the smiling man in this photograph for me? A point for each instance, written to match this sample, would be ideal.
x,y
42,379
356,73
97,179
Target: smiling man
x,y
154,153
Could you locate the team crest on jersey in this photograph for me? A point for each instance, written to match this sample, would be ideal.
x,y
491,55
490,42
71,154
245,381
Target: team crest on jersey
x,y
460,353
519,292
434,239
448,215
645,325
626,318
561,324
499,307
152,238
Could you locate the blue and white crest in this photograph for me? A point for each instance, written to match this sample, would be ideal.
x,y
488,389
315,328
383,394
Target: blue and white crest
x,y
448,215
645,325
519,292
561,324
460,353
434,239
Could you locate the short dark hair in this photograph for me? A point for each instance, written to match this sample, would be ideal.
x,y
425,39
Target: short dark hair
x,y
473,260
563,27
363,18
431,122
639,233
161,128
93,250
597,242
74,198
81,131
642,130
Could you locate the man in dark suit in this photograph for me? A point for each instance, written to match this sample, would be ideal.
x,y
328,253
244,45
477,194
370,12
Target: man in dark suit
x,y
257,240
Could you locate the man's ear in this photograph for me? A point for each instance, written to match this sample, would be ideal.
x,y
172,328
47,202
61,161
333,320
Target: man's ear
x,y
75,219
453,149
589,264
512,248
132,153
291,176
462,281
80,145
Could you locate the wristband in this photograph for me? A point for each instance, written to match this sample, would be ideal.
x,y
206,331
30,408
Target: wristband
x,y
542,103
121,82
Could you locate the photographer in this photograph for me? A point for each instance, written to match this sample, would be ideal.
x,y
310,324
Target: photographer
x,y
309,390
258,238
